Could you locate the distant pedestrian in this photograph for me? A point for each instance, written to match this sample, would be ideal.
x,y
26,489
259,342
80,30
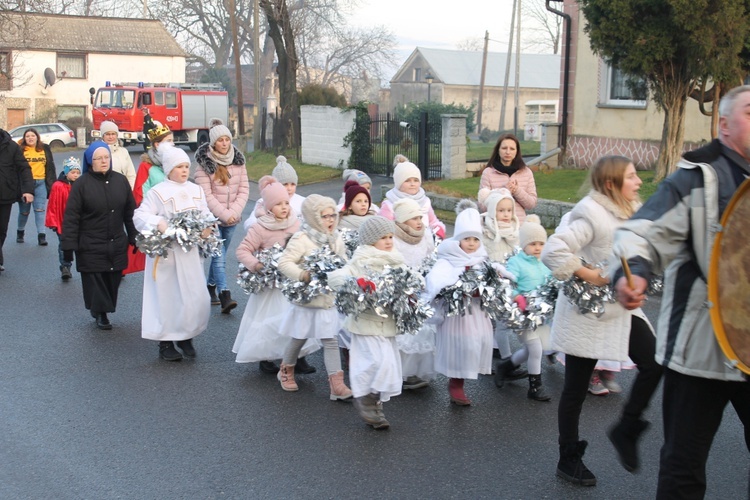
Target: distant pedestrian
x,y
16,184
58,200
42,164
121,161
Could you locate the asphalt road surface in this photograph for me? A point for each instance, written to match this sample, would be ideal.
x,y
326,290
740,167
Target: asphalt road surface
x,y
95,414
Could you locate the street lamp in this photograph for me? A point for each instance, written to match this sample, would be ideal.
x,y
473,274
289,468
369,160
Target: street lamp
x,y
429,78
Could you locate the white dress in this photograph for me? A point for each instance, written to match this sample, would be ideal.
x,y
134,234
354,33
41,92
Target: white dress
x,y
176,305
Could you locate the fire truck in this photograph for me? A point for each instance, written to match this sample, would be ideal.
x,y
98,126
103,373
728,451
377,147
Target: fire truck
x,y
186,108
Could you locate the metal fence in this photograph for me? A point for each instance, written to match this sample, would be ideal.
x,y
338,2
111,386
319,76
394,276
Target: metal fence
x,y
420,142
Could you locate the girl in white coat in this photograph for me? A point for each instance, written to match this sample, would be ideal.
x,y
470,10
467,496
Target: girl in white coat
x,y
584,338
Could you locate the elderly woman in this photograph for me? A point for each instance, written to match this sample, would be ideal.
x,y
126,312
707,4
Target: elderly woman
x,y
42,166
121,161
97,226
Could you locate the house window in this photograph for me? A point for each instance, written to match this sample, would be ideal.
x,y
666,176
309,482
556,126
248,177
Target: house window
x,y
417,74
71,65
622,90
6,79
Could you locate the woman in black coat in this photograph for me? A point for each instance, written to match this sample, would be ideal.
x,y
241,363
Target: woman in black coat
x,y
98,225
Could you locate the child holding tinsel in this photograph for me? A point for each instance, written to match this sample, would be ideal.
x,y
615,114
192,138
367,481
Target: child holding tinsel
x,y
316,319
58,199
530,273
287,176
417,351
175,299
463,343
375,364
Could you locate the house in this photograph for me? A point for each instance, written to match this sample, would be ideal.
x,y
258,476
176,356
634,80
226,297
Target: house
x,y
606,116
49,62
454,76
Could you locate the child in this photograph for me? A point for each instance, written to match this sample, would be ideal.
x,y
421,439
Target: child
x,y
375,364
417,351
463,344
58,198
175,298
158,136
286,175
317,319
258,338
530,273
359,178
357,206
407,180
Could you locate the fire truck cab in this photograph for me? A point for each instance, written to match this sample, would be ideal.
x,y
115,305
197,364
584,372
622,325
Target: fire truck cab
x,y
186,108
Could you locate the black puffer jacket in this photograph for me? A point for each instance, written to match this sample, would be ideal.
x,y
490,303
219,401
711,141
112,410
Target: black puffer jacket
x,y
99,212
15,172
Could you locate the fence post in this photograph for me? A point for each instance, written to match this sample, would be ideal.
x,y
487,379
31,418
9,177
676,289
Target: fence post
x,y
422,146
388,144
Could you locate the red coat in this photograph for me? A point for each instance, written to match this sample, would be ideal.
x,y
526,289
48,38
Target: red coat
x,y
140,178
58,198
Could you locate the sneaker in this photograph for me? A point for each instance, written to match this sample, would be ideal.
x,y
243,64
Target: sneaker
x,y
596,387
414,382
168,352
65,273
608,381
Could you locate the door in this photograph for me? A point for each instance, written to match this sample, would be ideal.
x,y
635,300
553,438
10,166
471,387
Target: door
x,y
16,118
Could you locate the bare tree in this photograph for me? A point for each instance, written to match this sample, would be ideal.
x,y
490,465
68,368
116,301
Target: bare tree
x,y
543,31
471,44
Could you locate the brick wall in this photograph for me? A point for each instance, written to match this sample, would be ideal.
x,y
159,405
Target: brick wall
x,y
323,130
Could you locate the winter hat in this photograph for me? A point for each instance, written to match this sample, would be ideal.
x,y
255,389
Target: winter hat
x,y
217,130
532,231
494,197
468,222
272,192
171,156
71,164
284,172
405,209
403,171
108,126
375,228
353,191
88,155
399,158
360,177
313,206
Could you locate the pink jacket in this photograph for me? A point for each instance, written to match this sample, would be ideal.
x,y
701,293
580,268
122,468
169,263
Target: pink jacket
x,y
225,201
525,196
259,238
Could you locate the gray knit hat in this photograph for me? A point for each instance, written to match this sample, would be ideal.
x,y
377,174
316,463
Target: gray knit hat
x,y
532,231
218,129
108,126
351,174
284,172
375,228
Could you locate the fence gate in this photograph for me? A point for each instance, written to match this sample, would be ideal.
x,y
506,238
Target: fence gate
x,y
419,141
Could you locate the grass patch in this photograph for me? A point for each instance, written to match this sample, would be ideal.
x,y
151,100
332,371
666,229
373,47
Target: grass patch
x,y
262,163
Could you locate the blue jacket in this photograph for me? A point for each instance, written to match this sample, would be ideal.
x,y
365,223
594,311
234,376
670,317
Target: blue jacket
x,y
529,271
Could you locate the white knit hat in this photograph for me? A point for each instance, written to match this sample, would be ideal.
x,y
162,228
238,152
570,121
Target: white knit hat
x,y
351,174
217,130
532,231
284,172
108,126
493,198
375,228
405,209
468,223
403,171
171,156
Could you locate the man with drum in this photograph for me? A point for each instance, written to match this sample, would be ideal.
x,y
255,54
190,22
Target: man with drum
x,y
674,233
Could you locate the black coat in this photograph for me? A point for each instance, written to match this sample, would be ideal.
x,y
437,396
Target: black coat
x,y
98,214
15,172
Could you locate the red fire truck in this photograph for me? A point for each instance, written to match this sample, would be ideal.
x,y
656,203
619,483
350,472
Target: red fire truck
x,y
186,108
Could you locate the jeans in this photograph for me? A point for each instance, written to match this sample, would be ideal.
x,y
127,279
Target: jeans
x,y
40,206
60,253
217,272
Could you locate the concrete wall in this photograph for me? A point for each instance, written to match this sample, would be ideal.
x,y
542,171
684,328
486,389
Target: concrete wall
x,y
323,131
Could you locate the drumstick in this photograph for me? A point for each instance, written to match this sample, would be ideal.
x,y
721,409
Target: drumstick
x,y
628,274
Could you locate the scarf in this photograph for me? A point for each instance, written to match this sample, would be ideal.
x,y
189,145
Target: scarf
x,y
394,195
496,230
222,159
319,237
270,222
154,156
450,251
409,235
498,165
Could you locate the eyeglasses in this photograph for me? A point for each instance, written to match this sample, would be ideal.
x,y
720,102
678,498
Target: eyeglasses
x,y
328,217
100,158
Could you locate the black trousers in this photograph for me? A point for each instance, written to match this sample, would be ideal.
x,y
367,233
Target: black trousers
x,y
5,209
641,350
692,410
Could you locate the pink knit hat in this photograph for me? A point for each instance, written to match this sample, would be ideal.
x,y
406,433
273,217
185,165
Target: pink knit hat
x,y
272,192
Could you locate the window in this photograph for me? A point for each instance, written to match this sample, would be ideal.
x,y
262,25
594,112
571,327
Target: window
x,y
6,79
417,74
171,99
71,65
159,98
619,89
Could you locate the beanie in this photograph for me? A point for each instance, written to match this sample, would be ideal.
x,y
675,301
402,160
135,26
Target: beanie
x,y
272,192
360,177
375,228
108,126
354,191
403,171
532,231
217,130
405,209
468,222
71,163
284,172
171,156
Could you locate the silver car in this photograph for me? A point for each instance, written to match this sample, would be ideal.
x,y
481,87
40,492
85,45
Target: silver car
x,y
54,134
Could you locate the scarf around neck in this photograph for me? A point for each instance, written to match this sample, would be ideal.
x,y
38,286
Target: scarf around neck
x,y
154,156
498,165
409,235
269,221
319,237
394,195
222,159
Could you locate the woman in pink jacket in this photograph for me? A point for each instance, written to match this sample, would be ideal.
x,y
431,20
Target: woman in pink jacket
x,y
506,169
222,175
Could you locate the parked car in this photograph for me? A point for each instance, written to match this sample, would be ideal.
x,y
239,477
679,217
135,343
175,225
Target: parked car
x,y
54,134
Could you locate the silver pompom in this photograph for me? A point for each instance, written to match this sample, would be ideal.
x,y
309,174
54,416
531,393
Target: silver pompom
x,y
268,277
656,285
493,291
184,229
540,307
319,262
586,297
351,240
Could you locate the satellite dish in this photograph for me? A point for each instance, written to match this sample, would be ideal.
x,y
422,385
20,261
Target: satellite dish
x,y
49,77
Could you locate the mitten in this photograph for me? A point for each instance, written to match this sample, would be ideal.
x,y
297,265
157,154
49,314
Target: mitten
x,y
366,285
521,301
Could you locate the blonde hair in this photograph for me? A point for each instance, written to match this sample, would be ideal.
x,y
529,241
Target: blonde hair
x,y
607,176
221,175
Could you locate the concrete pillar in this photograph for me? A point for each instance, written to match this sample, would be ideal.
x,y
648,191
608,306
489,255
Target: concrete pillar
x,y
454,147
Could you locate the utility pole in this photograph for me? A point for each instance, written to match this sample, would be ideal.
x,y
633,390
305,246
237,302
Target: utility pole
x,y
518,69
237,66
507,69
256,73
481,82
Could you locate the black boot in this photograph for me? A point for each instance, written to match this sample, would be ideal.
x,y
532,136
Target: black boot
x,y
304,367
624,436
571,467
227,304
212,294
536,389
168,352
42,239
505,370
19,236
269,367
102,322
186,346
65,273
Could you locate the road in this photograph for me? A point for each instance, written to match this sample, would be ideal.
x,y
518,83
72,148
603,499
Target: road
x,y
93,414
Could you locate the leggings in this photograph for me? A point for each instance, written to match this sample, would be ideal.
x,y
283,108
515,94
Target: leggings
x,y
331,356
531,352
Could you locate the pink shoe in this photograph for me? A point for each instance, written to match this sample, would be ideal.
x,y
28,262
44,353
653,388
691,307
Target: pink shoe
x,y
286,377
339,390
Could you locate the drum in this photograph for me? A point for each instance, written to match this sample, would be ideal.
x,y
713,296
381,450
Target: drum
x,y
729,281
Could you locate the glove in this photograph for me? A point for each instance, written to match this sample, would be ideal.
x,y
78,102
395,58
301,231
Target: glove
x,y
521,301
366,285
68,255
440,233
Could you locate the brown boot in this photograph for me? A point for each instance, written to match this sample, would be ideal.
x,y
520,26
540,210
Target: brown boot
x,y
339,390
286,377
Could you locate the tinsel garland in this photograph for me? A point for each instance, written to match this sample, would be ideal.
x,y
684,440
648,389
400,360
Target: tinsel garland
x,y
319,262
656,285
540,307
588,298
268,277
392,293
493,291
183,229
428,262
351,240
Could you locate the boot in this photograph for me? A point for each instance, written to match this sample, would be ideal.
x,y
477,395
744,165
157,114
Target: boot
x,y
456,392
102,321
286,378
212,294
19,236
227,304
167,351
506,370
571,467
624,436
536,389
368,409
186,346
42,239
65,273
303,367
339,390
268,367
